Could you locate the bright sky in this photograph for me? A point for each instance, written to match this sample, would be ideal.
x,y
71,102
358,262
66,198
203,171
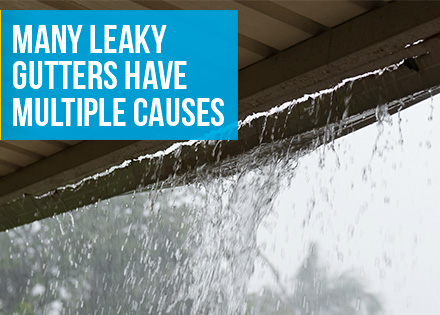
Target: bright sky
x,y
373,212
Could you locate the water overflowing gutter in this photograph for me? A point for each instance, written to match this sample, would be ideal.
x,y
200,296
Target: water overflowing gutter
x,y
398,73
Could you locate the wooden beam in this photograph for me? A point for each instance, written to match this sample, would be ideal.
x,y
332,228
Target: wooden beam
x,y
366,43
287,16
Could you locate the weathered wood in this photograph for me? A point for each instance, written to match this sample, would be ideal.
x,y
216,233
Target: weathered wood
x,y
315,64
299,125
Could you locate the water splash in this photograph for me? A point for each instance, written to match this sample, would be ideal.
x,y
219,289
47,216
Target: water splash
x,y
287,106
188,249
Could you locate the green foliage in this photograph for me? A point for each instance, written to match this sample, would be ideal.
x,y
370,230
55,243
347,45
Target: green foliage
x,y
118,256
317,293
132,255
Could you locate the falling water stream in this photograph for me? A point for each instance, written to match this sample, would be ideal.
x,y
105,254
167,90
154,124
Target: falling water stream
x,y
343,228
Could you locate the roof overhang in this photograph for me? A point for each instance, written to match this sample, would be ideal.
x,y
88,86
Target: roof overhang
x,y
375,40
